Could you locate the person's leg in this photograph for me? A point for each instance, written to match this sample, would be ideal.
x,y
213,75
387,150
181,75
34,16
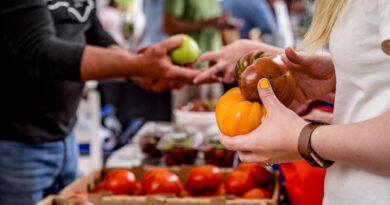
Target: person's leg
x,y
26,170
68,172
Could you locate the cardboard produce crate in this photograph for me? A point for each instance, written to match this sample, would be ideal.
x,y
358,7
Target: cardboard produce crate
x,y
88,182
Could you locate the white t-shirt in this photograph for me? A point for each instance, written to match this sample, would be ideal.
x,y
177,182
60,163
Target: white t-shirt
x,y
358,44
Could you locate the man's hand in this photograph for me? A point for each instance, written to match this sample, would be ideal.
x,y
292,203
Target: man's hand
x,y
155,62
225,60
155,85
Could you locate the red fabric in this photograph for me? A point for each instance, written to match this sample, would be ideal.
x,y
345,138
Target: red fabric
x,y
304,183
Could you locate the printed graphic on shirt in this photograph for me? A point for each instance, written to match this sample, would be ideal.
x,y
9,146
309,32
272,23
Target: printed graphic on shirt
x,y
80,9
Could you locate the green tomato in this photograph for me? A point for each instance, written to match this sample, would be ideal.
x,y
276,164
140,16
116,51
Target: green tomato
x,y
187,52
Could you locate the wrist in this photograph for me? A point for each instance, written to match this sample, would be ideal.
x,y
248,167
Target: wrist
x,y
211,22
305,146
135,63
300,124
317,141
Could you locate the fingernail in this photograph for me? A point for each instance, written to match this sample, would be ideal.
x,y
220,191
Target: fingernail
x,y
264,84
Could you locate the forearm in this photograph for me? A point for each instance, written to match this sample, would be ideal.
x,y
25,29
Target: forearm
x,y
173,25
364,145
264,47
101,63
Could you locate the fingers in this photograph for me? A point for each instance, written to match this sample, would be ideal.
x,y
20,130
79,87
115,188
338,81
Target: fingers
x,y
267,95
169,44
247,157
205,75
293,56
181,74
229,75
211,56
236,143
142,50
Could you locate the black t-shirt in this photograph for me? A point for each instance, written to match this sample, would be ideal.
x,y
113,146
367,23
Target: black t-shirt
x,y
41,47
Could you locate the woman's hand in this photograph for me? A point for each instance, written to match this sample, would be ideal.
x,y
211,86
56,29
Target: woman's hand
x,y
314,74
276,139
225,59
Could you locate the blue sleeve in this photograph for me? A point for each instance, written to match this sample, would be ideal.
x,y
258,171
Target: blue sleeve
x,y
264,18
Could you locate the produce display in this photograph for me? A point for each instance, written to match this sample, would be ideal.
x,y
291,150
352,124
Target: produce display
x,y
246,178
171,144
257,193
77,199
119,182
161,181
181,146
150,140
248,181
216,154
207,105
203,181
239,111
187,52
239,182
261,176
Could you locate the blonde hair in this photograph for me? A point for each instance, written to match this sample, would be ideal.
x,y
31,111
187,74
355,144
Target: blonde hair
x,y
325,16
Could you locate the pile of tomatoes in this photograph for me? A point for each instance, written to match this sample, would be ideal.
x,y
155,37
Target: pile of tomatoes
x,y
249,181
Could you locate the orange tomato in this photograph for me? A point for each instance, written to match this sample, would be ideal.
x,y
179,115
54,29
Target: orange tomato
x,y
236,115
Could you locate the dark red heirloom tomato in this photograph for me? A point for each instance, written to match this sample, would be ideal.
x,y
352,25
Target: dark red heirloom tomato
x,y
239,182
161,182
257,65
257,193
262,176
203,180
120,182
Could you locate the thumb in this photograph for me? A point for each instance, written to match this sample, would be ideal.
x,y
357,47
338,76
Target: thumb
x,y
293,56
266,94
170,44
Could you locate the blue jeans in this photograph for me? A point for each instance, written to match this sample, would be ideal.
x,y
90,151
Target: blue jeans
x,y
28,172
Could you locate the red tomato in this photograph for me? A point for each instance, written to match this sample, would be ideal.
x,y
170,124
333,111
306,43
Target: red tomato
x,y
184,193
239,182
120,182
100,187
221,191
263,177
138,189
257,193
161,182
203,180
150,173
